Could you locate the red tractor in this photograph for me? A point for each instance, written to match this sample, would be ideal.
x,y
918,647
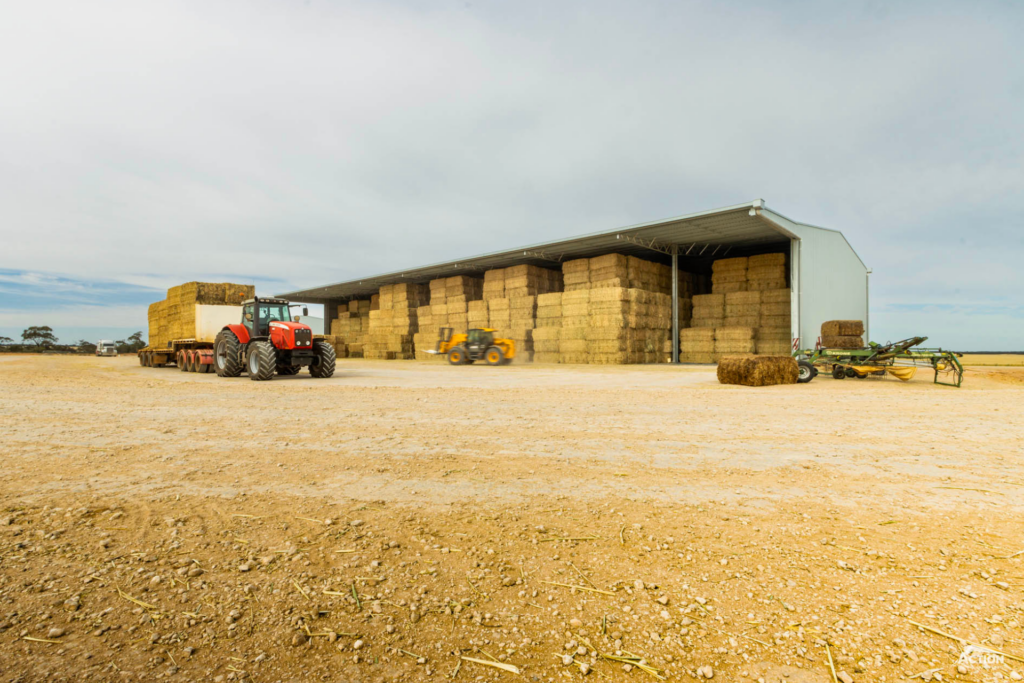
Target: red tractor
x,y
267,341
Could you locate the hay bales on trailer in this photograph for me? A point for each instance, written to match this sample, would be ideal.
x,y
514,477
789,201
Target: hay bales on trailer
x,y
175,317
842,334
757,371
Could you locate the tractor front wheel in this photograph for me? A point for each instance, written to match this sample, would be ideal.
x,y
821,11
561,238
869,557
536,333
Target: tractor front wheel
x,y
806,372
494,356
262,361
227,352
325,361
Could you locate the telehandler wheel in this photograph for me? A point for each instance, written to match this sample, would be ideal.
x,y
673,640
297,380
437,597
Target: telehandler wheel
x,y
838,372
288,369
458,356
326,359
806,372
226,354
262,361
494,356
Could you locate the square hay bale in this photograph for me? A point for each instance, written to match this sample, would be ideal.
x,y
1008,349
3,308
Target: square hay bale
x,y
842,342
546,357
547,333
493,290
695,334
845,328
546,345
757,372
614,282
437,285
735,346
773,334
750,321
576,297
767,273
777,295
726,264
495,275
610,294
726,287
580,310
495,305
707,322
549,312
762,285
576,266
549,299
762,260
575,332
780,308
549,322
572,346
608,272
734,334
597,333
580,358
580,277
697,347
770,347
709,300
702,357
476,306
456,307
732,310
778,321
705,312
608,261
375,302
738,298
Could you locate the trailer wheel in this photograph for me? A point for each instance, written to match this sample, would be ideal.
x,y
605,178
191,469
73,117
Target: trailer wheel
x,y
181,361
806,372
838,372
227,352
326,359
288,369
262,361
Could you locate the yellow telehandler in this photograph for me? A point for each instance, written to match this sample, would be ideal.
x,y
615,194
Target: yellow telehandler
x,y
477,344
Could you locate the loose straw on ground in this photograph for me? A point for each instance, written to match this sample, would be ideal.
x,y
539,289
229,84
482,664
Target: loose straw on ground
x,y
579,588
831,666
497,665
964,642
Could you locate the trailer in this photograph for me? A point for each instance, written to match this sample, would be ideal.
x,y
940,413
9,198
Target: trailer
x,y
194,353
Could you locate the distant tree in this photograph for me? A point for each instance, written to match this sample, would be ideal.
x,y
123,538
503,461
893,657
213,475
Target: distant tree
x,y
41,336
85,346
130,345
6,341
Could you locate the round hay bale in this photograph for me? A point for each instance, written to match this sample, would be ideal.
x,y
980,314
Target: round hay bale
x,y
760,371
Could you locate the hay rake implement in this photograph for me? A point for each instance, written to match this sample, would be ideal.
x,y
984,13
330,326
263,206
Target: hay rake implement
x,y
899,359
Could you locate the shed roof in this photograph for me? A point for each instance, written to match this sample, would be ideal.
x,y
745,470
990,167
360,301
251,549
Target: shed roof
x,y
729,230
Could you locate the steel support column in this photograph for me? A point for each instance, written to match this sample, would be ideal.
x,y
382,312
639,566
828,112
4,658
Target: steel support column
x,y
675,303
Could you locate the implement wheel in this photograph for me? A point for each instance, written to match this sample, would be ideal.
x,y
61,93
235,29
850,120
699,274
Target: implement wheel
x,y
838,372
494,356
806,372
458,356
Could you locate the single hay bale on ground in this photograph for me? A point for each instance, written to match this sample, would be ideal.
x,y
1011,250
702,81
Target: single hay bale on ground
x,y
761,371
842,342
842,328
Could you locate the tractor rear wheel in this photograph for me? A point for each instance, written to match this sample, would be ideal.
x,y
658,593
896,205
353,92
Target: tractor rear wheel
x,y
457,356
806,372
326,358
494,356
227,354
262,361
288,369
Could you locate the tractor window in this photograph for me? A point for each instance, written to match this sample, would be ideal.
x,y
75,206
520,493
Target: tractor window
x,y
274,312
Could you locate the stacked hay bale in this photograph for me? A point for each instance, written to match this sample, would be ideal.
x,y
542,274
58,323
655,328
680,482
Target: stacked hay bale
x,y
842,334
729,275
697,345
766,272
730,341
614,310
339,345
175,317
511,297
774,331
427,332
352,326
758,371
549,327
708,310
393,325
451,300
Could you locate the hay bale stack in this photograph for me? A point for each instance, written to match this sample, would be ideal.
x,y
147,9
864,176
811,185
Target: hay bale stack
x,y
760,371
697,345
734,340
729,275
842,334
175,317
494,284
708,310
393,325
576,275
352,326
754,274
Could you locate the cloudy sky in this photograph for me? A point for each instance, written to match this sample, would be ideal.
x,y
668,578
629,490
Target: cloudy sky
x,y
295,143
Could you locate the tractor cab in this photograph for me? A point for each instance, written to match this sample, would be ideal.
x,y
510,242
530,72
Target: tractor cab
x,y
268,310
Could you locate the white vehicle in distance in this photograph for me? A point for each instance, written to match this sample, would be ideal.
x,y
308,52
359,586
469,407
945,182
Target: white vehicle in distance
x,y
106,347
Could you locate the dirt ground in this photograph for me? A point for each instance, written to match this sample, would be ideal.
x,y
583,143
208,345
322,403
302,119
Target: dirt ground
x,y
410,521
